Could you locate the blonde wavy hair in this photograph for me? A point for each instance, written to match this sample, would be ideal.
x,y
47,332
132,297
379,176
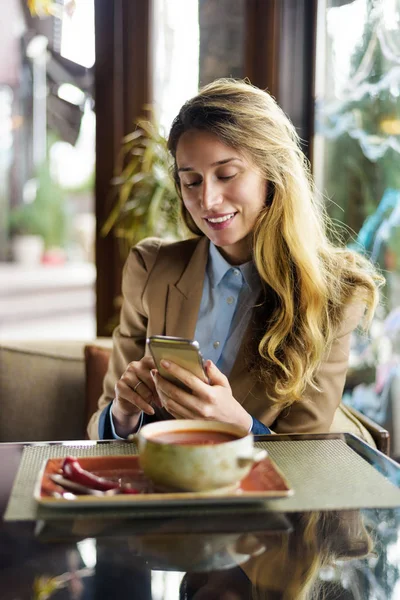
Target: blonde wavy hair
x,y
307,279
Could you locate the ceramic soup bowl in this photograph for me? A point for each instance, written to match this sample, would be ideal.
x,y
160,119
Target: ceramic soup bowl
x,y
196,455
196,552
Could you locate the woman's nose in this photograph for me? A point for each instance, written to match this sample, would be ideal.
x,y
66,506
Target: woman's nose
x,y
210,196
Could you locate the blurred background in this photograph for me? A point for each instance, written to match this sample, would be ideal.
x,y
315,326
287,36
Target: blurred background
x,y
47,169
75,77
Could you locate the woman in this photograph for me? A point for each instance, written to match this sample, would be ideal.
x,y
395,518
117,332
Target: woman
x,y
271,301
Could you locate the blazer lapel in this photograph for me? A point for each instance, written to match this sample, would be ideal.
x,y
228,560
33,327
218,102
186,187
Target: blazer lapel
x,y
184,297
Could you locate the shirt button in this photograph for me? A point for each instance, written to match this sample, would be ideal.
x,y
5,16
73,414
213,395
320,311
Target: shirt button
x,y
230,300
216,344
236,272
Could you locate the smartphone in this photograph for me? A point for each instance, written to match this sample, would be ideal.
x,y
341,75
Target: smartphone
x,y
183,352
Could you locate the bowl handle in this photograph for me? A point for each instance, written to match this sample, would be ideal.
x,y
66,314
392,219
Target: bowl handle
x,y
258,455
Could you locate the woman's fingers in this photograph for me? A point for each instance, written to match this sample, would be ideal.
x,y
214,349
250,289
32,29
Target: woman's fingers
x,y
140,371
197,386
213,400
131,400
135,390
179,402
215,376
179,412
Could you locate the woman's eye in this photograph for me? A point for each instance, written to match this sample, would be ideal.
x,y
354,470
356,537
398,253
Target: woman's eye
x,y
226,177
192,184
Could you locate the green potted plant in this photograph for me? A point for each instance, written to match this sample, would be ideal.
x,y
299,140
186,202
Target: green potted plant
x,y
52,206
41,225
146,203
26,233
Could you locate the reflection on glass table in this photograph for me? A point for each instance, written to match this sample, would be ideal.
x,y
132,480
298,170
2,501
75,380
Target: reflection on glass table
x,y
335,555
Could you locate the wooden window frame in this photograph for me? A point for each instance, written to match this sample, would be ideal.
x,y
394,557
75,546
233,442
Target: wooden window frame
x,y
122,89
280,57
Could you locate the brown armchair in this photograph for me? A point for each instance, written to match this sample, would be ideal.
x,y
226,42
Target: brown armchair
x,y
379,434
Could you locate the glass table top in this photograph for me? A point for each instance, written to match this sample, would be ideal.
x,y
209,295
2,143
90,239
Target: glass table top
x,y
335,555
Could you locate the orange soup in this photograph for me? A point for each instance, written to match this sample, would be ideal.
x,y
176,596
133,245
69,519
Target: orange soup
x,y
194,437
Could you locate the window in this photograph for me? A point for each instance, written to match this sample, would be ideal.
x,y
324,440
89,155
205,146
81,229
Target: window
x,y
356,164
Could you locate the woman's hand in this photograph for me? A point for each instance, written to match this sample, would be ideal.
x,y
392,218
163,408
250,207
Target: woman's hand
x,y
211,401
134,392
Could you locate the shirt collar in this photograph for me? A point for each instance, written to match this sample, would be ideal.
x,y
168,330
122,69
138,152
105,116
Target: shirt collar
x,y
217,267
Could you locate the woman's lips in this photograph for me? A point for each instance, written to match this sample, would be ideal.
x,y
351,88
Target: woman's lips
x,y
219,222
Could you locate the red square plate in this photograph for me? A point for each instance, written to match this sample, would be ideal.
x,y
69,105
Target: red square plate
x,y
264,482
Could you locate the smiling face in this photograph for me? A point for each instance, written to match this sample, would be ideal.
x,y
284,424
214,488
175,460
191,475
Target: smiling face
x,y
223,192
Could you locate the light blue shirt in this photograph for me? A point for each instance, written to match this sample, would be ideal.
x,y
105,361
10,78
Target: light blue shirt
x,y
229,295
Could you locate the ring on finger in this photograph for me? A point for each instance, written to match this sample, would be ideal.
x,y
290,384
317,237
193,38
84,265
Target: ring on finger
x,y
137,385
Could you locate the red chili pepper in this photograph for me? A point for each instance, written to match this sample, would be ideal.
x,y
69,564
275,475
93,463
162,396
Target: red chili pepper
x,y
129,490
72,470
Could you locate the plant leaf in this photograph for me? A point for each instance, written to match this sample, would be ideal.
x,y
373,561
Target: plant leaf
x,y
146,201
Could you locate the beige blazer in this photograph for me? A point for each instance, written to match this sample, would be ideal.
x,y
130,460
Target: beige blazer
x,y
162,288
